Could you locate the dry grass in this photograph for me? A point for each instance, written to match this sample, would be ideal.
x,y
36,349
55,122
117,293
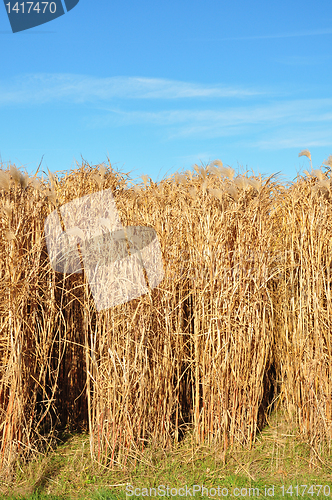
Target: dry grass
x,y
241,319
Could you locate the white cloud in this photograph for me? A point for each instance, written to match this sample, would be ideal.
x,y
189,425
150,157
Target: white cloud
x,y
225,122
278,123
43,88
301,139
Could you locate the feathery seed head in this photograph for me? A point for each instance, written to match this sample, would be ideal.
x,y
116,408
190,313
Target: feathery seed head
x,y
232,191
97,178
51,176
102,170
182,179
306,153
218,163
202,172
145,179
325,184
217,193
228,172
189,174
215,171
16,174
24,181
241,182
4,180
225,171
204,186
52,181
328,162
36,184
177,178
51,196
322,188
318,173
255,183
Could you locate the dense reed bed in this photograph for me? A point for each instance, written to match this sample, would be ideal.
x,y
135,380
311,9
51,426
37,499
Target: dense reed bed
x,y
241,320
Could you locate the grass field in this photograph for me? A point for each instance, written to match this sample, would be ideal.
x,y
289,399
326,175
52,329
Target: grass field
x,y
278,458
220,375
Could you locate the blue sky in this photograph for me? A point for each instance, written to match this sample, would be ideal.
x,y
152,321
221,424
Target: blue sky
x,y
160,86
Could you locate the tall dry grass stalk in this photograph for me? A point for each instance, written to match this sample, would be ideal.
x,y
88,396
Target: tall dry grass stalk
x,y
303,304
242,317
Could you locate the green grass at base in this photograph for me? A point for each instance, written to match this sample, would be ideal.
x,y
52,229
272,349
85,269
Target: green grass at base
x,y
278,458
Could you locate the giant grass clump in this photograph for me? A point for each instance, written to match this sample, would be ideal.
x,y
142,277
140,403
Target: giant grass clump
x,y
303,303
241,319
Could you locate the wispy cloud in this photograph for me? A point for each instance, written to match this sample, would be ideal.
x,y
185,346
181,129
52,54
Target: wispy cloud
x,y
271,123
301,139
43,88
298,123
270,35
225,122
